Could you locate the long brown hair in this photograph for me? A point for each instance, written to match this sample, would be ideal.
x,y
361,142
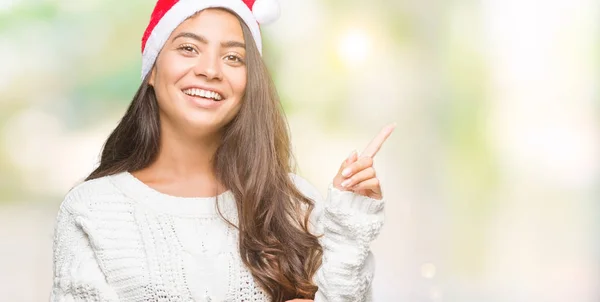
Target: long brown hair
x,y
253,161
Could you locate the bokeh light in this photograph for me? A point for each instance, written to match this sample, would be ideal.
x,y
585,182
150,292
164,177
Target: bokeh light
x,y
491,176
354,46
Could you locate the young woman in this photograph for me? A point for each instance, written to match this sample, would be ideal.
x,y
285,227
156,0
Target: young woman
x,y
194,198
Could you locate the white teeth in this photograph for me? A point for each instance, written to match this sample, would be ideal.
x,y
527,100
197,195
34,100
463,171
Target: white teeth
x,y
203,93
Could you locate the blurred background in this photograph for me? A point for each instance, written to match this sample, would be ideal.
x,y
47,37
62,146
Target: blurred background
x,y
491,177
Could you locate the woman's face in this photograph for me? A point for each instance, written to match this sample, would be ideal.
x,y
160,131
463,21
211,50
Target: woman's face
x,y
200,74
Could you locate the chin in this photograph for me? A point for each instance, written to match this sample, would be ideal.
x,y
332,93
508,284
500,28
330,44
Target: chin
x,y
204,124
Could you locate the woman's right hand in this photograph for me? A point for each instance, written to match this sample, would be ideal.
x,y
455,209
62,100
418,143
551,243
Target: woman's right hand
x,y
300,300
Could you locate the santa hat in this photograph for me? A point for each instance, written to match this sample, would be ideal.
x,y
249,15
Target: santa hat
x,y
168,14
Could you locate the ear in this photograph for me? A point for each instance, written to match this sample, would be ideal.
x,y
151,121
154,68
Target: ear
x,y
152,74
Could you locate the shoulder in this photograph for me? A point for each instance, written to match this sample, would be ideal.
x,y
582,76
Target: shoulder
x,y
308,190
305,187
89,194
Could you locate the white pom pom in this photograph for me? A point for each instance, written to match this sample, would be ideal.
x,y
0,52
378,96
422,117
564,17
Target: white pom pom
x,y
266,11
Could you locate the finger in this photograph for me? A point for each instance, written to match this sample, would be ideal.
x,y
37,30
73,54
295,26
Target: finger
x,y
349,160
372,184
376,143
359,177
360,164
352,158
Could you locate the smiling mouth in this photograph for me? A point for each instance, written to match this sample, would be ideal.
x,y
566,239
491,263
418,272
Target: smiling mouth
x,y
196,92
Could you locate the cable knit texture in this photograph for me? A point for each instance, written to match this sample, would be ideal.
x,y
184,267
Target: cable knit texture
x,y
117,239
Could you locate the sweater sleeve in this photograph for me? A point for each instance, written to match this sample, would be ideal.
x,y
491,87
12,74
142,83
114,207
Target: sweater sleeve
x,y
349,223
77,275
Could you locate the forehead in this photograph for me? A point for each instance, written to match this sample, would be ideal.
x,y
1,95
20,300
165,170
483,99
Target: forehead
x,y
213,23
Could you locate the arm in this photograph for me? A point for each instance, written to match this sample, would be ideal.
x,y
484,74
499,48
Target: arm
x,y
77,276
348,222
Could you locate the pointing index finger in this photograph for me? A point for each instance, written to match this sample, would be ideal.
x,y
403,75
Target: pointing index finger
x,y
378,141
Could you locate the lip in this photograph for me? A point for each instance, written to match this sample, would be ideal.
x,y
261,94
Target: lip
x,y
203,102
205,88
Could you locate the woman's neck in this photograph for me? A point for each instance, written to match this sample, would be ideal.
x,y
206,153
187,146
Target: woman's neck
x,y
183,167
185,159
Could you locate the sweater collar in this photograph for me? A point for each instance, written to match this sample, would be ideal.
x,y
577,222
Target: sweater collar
x,y
140,192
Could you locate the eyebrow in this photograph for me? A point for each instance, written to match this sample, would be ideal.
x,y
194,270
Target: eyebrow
x,y
203,40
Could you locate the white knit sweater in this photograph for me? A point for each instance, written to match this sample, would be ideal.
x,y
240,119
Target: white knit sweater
x,y
117,239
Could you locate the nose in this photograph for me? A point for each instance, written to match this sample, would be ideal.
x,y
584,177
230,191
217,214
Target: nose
x,y
209,66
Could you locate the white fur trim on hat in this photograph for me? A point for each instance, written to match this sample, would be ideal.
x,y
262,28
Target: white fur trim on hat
x,y
183,10
266,11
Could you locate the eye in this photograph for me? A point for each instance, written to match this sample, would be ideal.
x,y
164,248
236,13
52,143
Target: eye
x,y
234,58
187,48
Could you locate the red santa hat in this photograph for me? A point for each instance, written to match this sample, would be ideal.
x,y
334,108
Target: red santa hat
x,y
168,14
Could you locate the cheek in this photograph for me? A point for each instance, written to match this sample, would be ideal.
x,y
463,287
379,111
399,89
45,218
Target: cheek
x,y
171,68
238,84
